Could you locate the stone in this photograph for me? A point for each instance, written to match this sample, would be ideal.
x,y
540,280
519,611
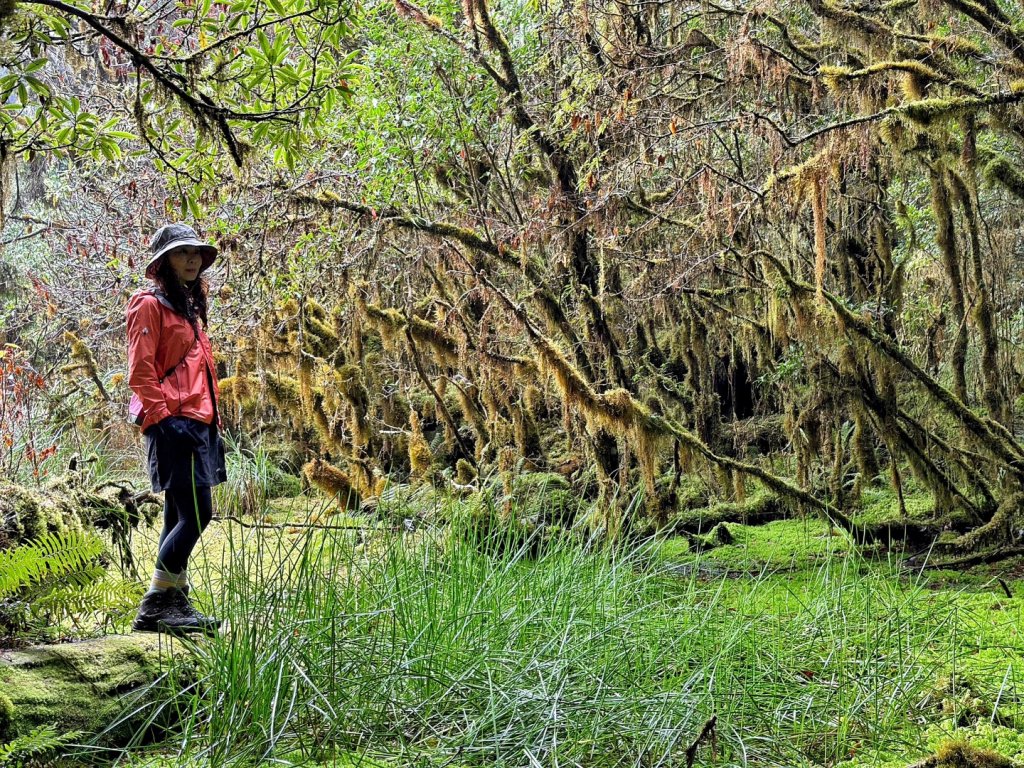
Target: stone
x,y
85,686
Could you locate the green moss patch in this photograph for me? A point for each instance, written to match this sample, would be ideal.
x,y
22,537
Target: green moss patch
x,y
77,686
880,505
778,544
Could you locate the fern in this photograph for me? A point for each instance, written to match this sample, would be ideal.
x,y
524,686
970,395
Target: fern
x,y
66,554
34,747
55,580
97,596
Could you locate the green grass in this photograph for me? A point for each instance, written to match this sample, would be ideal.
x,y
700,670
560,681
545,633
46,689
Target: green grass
x,y
420,648
253,480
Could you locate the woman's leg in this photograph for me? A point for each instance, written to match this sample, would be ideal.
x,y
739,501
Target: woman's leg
x,y
187,513
192,511
163,577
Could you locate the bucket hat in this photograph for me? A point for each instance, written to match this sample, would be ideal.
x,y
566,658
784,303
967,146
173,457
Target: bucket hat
x,y
177,235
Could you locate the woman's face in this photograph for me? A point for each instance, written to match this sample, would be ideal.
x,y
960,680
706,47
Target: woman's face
x,y
186,263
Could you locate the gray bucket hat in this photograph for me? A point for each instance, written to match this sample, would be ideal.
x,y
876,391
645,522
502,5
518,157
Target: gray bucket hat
x,y
177,235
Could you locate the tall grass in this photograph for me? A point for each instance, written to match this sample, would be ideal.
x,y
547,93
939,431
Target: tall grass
x,y
252,479
426,648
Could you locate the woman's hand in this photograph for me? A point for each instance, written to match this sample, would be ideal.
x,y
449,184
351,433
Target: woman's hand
x,y
175,429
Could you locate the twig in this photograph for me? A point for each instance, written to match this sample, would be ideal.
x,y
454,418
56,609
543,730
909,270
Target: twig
x,y
705,732
317,526
976,559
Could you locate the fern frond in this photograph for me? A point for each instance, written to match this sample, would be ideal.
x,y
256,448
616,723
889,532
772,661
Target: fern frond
x,y
96,597
52,555
36,744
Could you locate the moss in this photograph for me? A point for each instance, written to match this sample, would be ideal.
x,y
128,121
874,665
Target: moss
x,y
443,345
282,484
464,472
28,513
880,505
319,339
421,458
781,543
926,111
332,481
835,77
78,686
960,754
283,392
720,535
761,505
1003,172
241,390
81,354
691,492
6,717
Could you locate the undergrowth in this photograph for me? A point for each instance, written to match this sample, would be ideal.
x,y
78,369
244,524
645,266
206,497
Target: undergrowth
x,y
427,648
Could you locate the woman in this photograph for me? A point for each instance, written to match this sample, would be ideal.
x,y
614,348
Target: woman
x,y
174,400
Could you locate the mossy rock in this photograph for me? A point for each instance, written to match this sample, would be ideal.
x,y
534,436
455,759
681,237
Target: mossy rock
x,y
961,754
545,497
282,485
719,536
27,514
83,686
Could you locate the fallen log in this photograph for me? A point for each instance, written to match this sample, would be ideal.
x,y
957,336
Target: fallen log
x,y
99,688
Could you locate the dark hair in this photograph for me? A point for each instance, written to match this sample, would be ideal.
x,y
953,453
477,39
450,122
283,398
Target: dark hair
x,y
190,302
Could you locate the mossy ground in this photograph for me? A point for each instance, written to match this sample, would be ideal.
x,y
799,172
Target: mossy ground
x,y
978,692
767,573
789,544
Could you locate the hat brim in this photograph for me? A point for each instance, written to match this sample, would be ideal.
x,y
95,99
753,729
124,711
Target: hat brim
x,y
206,251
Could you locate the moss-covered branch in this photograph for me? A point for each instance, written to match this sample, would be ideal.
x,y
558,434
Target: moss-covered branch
x,y
991,434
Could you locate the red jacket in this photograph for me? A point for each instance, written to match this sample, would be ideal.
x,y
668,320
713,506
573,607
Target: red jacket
x,y
170,365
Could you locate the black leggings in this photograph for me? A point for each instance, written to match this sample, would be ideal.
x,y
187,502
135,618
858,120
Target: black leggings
x,y
185,518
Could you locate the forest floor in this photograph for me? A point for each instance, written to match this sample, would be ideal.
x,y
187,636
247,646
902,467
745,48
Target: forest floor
x,y
445,646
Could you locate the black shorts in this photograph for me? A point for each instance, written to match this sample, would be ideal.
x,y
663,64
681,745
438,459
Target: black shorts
x,y
193,459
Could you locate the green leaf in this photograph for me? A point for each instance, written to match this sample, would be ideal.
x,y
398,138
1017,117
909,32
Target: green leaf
x,y
193,206
110,150
38,86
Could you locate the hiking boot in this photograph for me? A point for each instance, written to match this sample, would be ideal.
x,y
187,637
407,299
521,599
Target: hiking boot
x,y
184,605
159,612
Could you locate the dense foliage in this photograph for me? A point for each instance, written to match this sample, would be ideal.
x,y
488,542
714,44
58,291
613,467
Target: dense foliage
x,y
769,244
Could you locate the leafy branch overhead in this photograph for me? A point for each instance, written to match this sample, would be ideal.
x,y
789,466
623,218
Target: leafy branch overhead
x,y
185,78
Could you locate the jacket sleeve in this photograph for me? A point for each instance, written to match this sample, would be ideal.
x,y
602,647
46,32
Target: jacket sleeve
x,y
143,336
